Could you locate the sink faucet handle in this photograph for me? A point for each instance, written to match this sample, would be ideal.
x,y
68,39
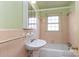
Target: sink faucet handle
x,y
75,48
69,44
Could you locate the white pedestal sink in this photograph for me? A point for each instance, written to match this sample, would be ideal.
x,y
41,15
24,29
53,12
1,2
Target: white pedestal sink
x,y
35,44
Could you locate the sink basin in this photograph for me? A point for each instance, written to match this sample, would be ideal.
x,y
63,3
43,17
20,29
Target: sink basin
x,y
36,44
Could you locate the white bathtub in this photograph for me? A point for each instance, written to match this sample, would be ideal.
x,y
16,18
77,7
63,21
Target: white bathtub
x,y
56,50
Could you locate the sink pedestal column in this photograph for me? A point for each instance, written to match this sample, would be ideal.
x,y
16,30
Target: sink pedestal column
x,y
30,53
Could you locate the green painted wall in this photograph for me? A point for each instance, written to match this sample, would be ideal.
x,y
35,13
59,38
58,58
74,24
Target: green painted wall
x,y
11,14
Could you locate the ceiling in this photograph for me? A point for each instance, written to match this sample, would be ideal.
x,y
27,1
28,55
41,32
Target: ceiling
x,y
50,4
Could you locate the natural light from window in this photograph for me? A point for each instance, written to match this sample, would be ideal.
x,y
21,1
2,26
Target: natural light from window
x,y
32,23
53,23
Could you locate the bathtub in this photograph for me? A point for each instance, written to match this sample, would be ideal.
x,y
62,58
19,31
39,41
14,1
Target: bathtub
x,y
56,50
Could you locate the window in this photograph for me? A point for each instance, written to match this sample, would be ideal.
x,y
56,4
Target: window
x,y
53,23
32,23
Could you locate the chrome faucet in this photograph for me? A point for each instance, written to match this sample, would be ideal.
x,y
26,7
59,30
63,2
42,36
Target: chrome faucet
x,y
69,45
30,36
33,40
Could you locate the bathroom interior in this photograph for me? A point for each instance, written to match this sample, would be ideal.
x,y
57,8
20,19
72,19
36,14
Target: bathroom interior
x,y
39,28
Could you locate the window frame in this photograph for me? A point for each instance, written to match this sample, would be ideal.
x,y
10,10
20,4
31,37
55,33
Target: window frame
x,y
53,23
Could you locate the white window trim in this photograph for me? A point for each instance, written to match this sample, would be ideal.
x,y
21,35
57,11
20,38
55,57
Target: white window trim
x,y
53,23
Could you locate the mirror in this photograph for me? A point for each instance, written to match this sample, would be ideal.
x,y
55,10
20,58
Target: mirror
x,y
32,21
28,12
31,11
